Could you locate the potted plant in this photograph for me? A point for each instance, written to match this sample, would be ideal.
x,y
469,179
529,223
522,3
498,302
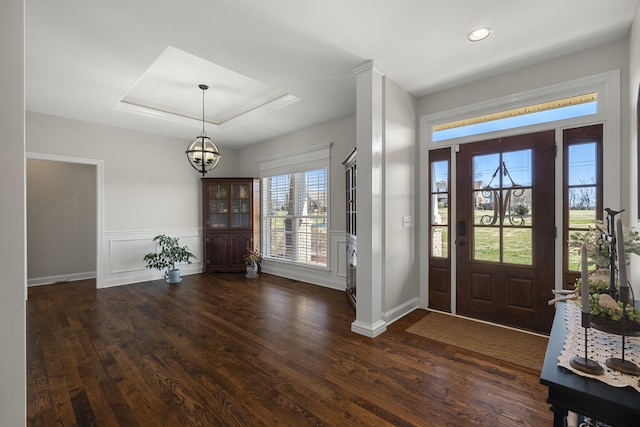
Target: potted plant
x,y
599,248
606,311
170,254
252,260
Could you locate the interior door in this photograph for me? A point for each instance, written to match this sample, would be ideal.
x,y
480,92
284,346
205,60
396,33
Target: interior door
x,y
505,230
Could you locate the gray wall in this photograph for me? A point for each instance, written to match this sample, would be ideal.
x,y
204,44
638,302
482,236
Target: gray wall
x,y
12,216
342,134
61,221
585,63
400,200
145,187
148,182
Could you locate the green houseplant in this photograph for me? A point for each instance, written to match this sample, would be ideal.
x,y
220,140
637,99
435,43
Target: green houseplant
x,y
168,253
252,260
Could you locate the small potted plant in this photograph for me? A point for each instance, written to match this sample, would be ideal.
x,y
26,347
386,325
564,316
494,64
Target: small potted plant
x,y
170,254
252,260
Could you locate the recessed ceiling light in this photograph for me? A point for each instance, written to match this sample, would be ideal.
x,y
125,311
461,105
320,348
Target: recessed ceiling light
x,y
479,34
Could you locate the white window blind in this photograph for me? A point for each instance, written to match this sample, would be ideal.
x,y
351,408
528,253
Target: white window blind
x,y
295,207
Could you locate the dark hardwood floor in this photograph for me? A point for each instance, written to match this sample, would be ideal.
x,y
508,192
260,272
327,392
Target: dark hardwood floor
x,y
220,350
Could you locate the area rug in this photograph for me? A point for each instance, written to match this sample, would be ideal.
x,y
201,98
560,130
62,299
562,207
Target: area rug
x,y
509,345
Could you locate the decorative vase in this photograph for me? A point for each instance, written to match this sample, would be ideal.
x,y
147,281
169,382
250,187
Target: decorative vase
x,y
252,271
173,276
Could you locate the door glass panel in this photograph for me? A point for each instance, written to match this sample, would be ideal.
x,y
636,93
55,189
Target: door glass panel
x,y
439,220
486,245
485,171
582,193
517,246
440,177
582,164
517,167
502,207
439,241
582,209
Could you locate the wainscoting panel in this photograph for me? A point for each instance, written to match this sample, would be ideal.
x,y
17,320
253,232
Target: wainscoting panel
x,y
123,254
334,276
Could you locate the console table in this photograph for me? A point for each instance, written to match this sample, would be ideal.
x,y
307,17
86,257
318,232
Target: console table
x,y
582,395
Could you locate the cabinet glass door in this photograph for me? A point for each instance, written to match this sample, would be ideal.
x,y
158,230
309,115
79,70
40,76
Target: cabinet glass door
x,y
240,212
219,206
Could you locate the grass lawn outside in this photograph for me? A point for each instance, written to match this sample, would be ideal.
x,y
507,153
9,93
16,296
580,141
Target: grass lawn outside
x,y
517,245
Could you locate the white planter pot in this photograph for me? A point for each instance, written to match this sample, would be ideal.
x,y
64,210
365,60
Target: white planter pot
x,y
173,276
252,271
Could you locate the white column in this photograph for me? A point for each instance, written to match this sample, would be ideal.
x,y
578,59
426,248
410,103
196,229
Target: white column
x,y
369,205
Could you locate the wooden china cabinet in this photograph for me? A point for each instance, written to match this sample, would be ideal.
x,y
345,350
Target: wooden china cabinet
x,y
231,222
351,239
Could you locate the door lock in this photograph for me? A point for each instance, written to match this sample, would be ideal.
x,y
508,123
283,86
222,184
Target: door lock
x,y
462,228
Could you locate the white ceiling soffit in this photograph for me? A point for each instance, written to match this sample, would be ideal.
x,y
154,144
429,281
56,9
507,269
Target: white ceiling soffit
x,y
232,98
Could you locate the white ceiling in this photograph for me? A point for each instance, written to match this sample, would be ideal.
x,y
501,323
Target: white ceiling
x,y
83,57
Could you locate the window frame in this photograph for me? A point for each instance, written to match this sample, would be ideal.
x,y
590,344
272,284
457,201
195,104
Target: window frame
x,y
570,137
294,162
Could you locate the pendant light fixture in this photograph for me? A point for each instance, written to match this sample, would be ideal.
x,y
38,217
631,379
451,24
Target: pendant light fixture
x,y
202,153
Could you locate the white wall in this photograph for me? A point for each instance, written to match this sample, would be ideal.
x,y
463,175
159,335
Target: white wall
x,y
148,180
61,221
589,62
400,286
609,56
148,188
12,217
342,134
632,142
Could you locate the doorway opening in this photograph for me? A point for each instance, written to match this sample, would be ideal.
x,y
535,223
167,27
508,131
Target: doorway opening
x,y
51,212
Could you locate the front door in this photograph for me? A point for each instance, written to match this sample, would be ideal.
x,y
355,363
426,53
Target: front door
x,y
505,230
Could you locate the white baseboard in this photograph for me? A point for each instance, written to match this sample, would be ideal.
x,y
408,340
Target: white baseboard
x,y
400,311
48,280
367,329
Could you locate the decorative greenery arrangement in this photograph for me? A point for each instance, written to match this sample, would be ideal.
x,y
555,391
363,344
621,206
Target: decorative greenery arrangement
x,y
599,249
253,257
598,244
171,253
597,287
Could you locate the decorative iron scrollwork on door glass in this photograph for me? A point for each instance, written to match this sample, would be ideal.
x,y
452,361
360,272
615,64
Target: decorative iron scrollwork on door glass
x,y
502,207
507,203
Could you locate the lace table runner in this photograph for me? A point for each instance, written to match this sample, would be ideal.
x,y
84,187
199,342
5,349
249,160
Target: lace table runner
x,y
601,346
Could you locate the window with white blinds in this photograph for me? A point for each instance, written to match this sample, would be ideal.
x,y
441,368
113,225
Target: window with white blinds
x,y
295,209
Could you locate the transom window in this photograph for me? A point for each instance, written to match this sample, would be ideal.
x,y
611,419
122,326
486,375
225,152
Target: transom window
x,y
561,109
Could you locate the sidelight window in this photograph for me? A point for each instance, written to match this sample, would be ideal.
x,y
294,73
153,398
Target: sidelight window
x,y
583,187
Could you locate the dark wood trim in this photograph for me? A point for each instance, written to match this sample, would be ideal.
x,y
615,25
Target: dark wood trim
x,y
439,267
